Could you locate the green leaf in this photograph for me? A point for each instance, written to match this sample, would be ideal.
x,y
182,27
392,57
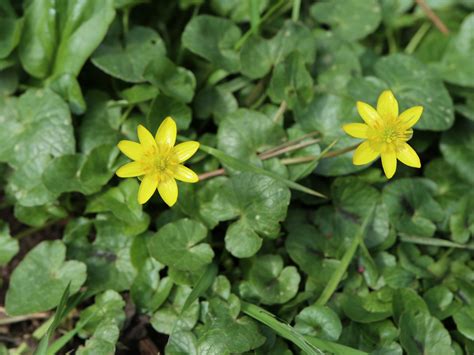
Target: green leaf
x,y
319,321
10,28
148,288
407,300
177,245
38,282
213,38
85,173
260,203
39,118
102,341
291,82
327,113
164,106
59,37
271,281
129,60
108,306
39,215
172,80
122,202
224,333
464,319
458,149
169,318
337,61
422,333
351,19
9,246
414,84
411,206
244,133
100,124
107,256
182,342
373,307
456,63
440,301
67,86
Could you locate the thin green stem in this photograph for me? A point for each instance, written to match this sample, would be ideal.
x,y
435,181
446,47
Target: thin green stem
x,y
30,231
125,20
336,277
295,12
417,38
392,43
265,17
254,6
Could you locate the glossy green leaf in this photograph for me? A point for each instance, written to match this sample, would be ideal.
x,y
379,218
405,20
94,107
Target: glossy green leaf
x,y
39,118
43,268
350,19
9,246
213,38
270,281
179,245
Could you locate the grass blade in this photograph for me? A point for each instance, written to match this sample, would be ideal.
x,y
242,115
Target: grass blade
x,y
283,329
61,311
331,286
204,282
244,166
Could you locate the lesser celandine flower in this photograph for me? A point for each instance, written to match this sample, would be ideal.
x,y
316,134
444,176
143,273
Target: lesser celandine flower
x,y
386,133
158,162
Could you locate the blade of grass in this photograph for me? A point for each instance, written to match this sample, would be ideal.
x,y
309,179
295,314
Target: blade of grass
x,y
283,329
336,277
243,166
201,286
204,282
334,348
437,242
310,345
61,312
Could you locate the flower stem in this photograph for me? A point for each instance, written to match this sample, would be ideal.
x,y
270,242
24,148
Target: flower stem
x,y
417,38
30,231
432,16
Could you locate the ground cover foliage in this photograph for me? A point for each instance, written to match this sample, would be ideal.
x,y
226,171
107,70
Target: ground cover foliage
x,y
284,246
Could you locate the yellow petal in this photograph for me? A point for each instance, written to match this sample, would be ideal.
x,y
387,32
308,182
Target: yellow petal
x,y
168,190
389,163
130,170
185,174
166,133
186,150
387,105
133,150
147,188
364,154
145,137
367,112
357,130
411,116
408,156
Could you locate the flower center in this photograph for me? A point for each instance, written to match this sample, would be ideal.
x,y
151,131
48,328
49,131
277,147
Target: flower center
x,y
388,133
160,161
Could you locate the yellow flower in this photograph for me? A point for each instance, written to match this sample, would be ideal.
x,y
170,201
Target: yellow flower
x,y
386,134
158,162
